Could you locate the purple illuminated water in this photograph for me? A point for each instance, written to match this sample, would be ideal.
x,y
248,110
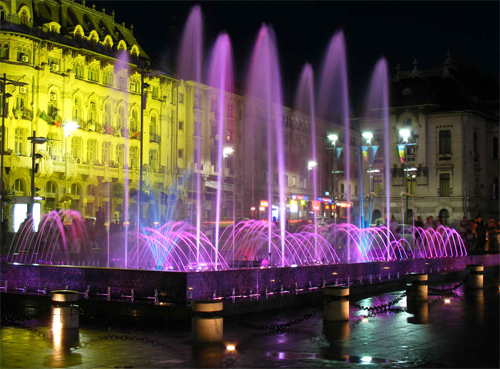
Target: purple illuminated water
x,y
220,77
264,94
305,103
377,109
189,67
180,246
333,100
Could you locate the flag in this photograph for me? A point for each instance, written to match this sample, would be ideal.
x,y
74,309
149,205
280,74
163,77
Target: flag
x,y
401,151
45,117
364,153
374,152
338,151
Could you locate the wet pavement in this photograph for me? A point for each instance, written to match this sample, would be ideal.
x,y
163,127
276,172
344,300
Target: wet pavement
x,y
461,330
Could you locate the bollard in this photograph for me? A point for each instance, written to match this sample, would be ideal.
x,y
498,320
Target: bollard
x,y
417,287
476,276
206,325
336,308
420,311
64,312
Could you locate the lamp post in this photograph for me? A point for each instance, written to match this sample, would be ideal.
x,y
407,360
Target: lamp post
x,y
35,141
336,154
370,151
68,128
405,134
5,96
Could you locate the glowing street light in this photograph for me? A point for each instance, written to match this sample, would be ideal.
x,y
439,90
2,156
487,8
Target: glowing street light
x,y
334,138
227,151
69,127
311,164
368,136
405,133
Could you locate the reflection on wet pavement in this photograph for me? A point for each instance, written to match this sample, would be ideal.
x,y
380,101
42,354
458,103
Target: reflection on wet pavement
x,y
461,332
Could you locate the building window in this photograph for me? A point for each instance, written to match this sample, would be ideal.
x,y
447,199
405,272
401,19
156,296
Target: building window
x,y
444,185
51,144
20,141
230,111
213,106
106,153
495,148
294,181
153,159
107,116
197,101
443,216
107,78
92,114
19,185
4,54
120,150
79,71
181,125
445,142
50,187
24,17
181,154
76,109
76,147
76,189
93,75
181,98
134,157
120,118
91,151
23,56
229,136
133,121
155,92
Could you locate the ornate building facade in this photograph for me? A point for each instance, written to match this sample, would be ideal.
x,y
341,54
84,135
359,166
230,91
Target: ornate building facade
x,y
451,165
66,62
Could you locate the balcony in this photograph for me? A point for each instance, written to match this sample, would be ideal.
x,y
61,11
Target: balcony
x,y
153,137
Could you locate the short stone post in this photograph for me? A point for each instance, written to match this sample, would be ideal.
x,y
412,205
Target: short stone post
x,y
417,287
336,307
476,276
207,326
420,311
65,313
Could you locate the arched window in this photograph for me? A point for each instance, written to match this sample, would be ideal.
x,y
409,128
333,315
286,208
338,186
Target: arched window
x,y
376,215
76,189
2,14
120,118
133,121
76,109
19,185
122,45
152,125
118,191
4,52
90,190
445,142
50,188
52,106
24,17
107,115
443,216
92,112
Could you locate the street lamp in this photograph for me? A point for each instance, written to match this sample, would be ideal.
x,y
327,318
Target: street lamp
x,y
5,96
369,151
226,151
68,128
405,133
311,164
336,151
35,141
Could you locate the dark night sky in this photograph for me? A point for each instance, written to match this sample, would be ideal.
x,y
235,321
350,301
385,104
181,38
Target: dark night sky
x,y
400,31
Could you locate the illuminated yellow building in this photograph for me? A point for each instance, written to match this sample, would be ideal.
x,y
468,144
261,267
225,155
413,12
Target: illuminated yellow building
x,y
76,64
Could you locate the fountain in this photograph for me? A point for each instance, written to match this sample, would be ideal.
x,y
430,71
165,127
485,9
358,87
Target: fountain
x,y
252,247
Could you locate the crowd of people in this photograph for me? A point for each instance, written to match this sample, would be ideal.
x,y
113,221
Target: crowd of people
x,y
480,236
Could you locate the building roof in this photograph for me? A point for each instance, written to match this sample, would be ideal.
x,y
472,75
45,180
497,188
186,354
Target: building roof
x,y
453,87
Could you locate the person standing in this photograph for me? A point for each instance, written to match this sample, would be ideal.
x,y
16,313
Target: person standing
x,y
481,234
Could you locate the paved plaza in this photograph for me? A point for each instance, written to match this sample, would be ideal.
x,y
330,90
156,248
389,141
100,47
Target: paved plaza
x,y
461,330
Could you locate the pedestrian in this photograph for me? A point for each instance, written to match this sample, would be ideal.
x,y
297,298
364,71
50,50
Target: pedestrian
x,y
419,223
492,240
480,234
393,225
